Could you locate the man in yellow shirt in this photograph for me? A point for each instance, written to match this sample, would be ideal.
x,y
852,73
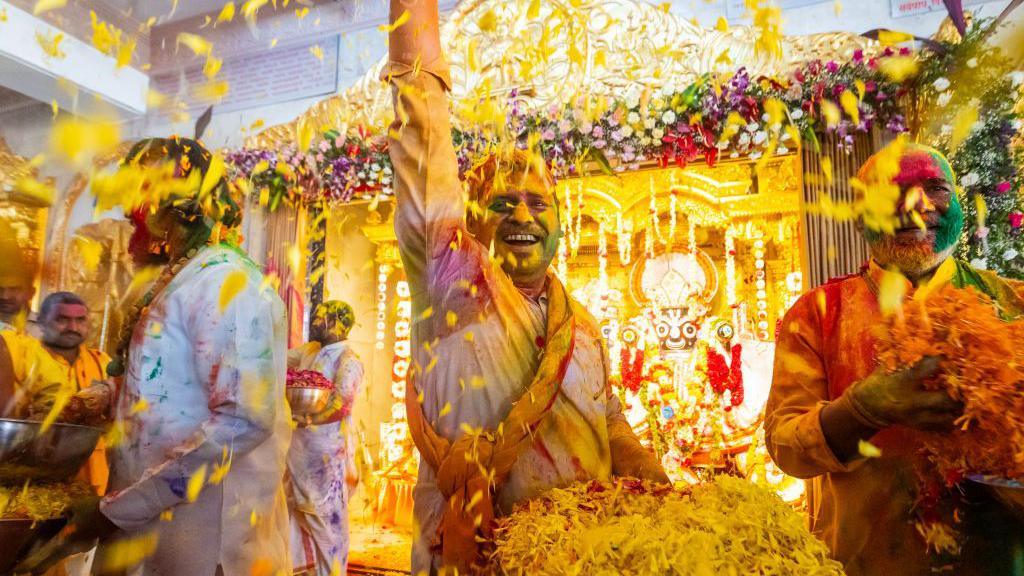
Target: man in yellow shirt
x,y
29,387
64,320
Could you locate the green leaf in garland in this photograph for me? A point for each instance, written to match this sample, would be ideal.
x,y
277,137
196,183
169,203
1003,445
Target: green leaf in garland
x,y
601,160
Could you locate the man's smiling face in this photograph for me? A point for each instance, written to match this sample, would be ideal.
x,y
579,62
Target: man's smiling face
x,y
521,222
929,212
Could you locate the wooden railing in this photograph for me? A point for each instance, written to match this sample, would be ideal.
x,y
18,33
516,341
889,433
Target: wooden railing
x,y
832,248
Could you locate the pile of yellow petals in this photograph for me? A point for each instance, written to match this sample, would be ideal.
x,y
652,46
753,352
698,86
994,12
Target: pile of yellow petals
x,y
983,367
42,501
726,526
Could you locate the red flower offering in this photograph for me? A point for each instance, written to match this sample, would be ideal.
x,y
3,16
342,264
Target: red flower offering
x,y
308,379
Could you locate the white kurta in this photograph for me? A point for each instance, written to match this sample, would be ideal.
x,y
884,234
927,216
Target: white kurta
x,y
479,347
204,389
317,463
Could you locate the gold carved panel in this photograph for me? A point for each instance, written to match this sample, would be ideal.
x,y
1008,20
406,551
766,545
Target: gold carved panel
x,y
565,49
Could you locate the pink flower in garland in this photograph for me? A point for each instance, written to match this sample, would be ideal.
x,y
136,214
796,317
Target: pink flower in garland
x,y
1003,187
1016,219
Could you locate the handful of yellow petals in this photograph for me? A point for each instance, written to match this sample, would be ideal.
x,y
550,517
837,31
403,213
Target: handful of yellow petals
x,y
726,526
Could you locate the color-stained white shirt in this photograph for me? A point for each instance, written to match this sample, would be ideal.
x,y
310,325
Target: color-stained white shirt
x,y
317,464
479,346
204,389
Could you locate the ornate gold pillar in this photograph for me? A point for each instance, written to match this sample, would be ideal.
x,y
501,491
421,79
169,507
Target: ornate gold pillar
x,y
26,214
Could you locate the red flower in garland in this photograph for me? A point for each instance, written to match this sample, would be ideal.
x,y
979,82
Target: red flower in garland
x,y
631,367
724,376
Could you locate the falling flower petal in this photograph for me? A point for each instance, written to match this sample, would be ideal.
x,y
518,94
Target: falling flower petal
x,y
90,251
196,483
47,5
398,23
199,45
227,13
233,285
51,44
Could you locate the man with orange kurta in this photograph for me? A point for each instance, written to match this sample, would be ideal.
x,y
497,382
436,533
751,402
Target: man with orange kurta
x,y
508,394
64,321
829,393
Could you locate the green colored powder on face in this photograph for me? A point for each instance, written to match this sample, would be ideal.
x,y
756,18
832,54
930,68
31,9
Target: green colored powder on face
x,y
951,224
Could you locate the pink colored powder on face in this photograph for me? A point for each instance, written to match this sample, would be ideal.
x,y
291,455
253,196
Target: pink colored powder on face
x,y
917,167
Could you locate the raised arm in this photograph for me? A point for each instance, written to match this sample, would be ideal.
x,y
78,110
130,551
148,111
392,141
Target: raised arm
x,y
430,212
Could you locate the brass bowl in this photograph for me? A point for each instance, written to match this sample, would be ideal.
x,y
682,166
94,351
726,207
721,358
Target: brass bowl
x,y
19,536
307,401
1009,492
54,455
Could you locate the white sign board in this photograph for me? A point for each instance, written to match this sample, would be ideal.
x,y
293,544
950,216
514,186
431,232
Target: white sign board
x,y
263,77
735,9
901,8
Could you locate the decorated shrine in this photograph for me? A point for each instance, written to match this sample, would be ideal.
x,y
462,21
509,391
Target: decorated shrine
x,y
687,271
692,165
680,201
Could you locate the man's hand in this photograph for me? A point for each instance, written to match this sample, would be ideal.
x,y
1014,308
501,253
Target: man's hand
x,y
90,406
901,398
87,525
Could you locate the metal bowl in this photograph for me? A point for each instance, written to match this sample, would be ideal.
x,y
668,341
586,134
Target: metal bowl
x,y
1009,492
307,401
55,455
19,536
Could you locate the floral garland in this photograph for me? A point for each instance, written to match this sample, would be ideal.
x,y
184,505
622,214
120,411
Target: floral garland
x,y
711,118
970,75
631,368
735,116
726,377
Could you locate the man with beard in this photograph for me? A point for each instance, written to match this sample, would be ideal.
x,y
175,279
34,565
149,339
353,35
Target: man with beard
x,y
201,407
829,393
508,396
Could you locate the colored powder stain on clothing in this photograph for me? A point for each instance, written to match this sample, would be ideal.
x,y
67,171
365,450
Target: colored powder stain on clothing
x,y
177,486
157,370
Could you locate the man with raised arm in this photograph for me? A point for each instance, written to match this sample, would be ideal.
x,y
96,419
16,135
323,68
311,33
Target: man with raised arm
x,y
508,396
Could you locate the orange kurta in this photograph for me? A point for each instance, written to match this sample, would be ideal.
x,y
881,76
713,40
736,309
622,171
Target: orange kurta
x,y
861,509
89,367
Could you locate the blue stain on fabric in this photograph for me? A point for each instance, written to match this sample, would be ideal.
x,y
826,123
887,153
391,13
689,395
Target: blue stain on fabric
x,y
157,370
668,412
177,486
335,519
